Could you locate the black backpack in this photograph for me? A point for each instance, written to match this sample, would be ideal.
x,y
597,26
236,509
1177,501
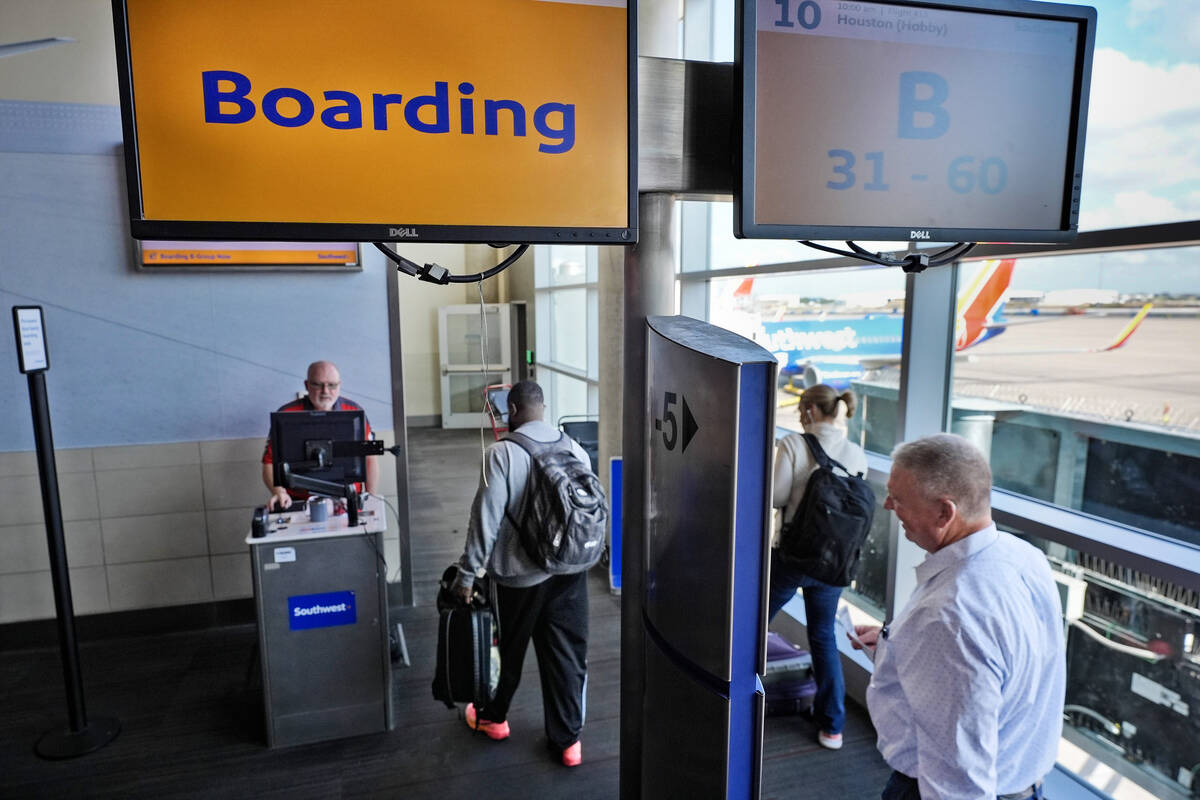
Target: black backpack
x,y
564,517
825,536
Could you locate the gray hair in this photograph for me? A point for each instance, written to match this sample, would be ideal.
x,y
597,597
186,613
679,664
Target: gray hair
x,y
949,466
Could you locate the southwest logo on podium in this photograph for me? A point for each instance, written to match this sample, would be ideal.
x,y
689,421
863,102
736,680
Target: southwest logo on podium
x,y
326,610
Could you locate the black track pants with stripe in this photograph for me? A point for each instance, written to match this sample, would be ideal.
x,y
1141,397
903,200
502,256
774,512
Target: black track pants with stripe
x,y
554,614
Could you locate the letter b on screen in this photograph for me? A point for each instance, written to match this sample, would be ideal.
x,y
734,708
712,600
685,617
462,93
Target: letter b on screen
x,y
921,97
214,96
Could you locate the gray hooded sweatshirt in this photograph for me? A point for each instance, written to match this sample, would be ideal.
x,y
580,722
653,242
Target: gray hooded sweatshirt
x,y
492,541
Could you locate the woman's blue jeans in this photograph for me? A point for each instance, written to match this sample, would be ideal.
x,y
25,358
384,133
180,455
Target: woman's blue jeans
x,y
820,606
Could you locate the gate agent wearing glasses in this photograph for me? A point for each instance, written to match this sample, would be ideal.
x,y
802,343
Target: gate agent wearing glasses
x,y
323,383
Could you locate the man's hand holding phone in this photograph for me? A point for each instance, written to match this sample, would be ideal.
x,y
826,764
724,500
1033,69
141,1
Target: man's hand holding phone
x,y
862,637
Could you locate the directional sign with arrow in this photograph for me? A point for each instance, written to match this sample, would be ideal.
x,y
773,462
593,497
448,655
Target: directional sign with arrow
x,y
669,427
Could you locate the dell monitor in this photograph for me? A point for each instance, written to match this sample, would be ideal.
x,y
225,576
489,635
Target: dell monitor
x,y
318,446
388,121
912,120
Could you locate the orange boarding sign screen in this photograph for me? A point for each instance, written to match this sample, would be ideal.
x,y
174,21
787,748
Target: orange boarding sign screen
x,y
387,120
190,255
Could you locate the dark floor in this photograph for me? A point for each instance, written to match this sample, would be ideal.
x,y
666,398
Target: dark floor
x,y
191,710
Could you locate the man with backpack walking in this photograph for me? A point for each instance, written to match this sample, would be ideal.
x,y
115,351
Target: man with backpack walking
x,y
537,524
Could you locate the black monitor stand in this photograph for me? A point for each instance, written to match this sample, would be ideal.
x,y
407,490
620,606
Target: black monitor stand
x,y
321,454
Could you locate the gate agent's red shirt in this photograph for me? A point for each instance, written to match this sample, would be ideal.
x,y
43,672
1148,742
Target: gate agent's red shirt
x,y
304,404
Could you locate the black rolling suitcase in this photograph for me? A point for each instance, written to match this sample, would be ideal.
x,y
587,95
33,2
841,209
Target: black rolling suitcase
x,y
788,681
468,655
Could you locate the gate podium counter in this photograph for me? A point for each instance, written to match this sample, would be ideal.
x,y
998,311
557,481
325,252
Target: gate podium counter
x,y
321,596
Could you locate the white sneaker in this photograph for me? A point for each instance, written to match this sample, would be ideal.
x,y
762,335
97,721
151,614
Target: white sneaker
x,y
830,741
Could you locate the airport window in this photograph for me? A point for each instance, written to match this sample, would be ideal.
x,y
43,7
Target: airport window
x,y
567,347
840,327
568,397
1117,439
1140,164
567,342
569,265
727,251
1074,374
1133,674
868,590
1079,381
1101,448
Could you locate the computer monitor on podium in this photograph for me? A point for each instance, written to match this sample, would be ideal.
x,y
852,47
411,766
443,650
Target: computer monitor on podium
x,y
320,451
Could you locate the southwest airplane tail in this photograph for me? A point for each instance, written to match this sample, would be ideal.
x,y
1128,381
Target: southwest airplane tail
x,y
1127,331
837,350
981,305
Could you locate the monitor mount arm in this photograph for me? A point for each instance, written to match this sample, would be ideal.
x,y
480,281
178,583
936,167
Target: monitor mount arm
x,y
321,453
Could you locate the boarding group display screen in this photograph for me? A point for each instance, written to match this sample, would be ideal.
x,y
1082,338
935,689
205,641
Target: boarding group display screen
x,y
206,256
913,120
390,120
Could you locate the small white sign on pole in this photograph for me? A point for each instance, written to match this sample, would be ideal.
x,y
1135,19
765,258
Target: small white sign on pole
x,y
31,338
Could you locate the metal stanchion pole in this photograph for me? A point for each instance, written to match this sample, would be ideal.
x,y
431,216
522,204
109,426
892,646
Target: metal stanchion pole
x,y
81,735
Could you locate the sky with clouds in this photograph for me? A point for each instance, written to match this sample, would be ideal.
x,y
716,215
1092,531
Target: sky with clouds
x,y
1142,157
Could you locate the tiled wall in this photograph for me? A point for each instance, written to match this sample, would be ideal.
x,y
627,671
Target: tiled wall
x,y
145,526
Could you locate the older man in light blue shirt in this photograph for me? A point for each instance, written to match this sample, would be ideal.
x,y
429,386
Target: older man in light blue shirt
x,y
967,692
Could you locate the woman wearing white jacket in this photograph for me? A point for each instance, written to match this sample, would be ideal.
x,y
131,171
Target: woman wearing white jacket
x,y
819,414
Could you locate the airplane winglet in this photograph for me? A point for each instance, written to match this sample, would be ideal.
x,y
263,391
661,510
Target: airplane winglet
x,y
1128,330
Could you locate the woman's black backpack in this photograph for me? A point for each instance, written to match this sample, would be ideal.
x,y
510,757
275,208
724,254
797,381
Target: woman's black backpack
x,y
824,537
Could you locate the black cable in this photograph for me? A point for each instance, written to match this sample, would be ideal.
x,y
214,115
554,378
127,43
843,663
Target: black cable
x,y
378,549
402,263
496,270
433,273
913,262
962,249
847,253
862,252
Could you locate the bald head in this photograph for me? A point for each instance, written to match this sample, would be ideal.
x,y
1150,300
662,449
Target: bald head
x,y
324,382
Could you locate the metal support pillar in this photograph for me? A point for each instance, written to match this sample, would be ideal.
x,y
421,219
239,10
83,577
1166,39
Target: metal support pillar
x,y
649,291
924,407
400,433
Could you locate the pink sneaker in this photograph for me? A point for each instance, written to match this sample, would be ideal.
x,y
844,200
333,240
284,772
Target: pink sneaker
x,y
831,741
494,730
573,755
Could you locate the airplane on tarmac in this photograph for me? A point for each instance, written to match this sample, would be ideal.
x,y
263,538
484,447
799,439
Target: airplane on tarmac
x,y
839,349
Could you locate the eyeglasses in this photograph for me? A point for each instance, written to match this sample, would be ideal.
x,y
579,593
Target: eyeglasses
x,y
327,386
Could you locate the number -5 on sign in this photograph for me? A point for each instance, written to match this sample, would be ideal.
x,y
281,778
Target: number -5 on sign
x,y
31,338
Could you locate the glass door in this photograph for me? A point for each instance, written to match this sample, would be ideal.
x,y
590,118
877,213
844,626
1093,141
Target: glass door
x,y
474,354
